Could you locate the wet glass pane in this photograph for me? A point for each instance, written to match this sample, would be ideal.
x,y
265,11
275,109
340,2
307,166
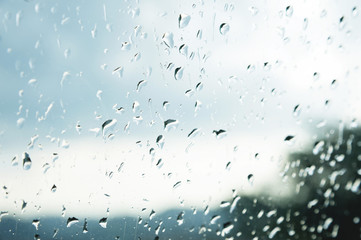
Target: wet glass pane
x,y
180,119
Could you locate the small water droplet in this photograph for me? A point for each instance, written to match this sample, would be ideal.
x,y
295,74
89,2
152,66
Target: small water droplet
x,y
289,11
234,203
354,11
180,218
151,215
26,161
36,223
108,125
165,105
177,184
250,178
37,237
220,133
274,232
168,39
318,147
193,133
289,138
103,222
53,188
71,221
342,22
189,93
178,73
20,122
170,123
296,110
85,226
126,46
224,28
14,161
227,227
214,219
224,204
183,49
141,84
160,141
183,20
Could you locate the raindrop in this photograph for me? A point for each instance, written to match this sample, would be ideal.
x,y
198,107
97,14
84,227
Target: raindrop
x,y
118,70
71,221
189,93
138,119
53,188
296,110
168,39
125,46
14,161
183,49
193,133
85,226
234,203
20,122
220,133
197,105
214,219
170,123
151,215
227,227
26,161
160,141
103,222
273,232
250,179
180,218
165,105
199,86
289,138
178,73
224,204
177,184
342,22
108,124
183,20
78,127
318,147
141,84
99,94
224,28
289,11
316,76
354,11
37,237
36,223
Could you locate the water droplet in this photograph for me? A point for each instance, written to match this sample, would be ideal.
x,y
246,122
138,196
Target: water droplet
x,y
177,184
289,11
160,141
296,110
103,222
318,146
108,125
118,70
55,232
178,73
26,161
289,138
170,123
53,188
214,219
274,232
141,84
224,204
168,39
253,10
183,20
189,93
197,105
36,223
151,215
193,133
250,179
126,46
227,227
135,106
165,105
14,161
305,23
180,218
342,22
85,226
183,49
354,11
37,237
71,221
138,119
234,203
199,86
99,94
316,76
220,133
20,122
224,28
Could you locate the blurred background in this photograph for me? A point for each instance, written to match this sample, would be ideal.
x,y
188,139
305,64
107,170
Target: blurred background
x,y
180,119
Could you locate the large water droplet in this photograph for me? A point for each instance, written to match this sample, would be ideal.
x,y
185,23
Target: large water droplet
x,y
183,20
103,222
71,221
224,28
26,161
